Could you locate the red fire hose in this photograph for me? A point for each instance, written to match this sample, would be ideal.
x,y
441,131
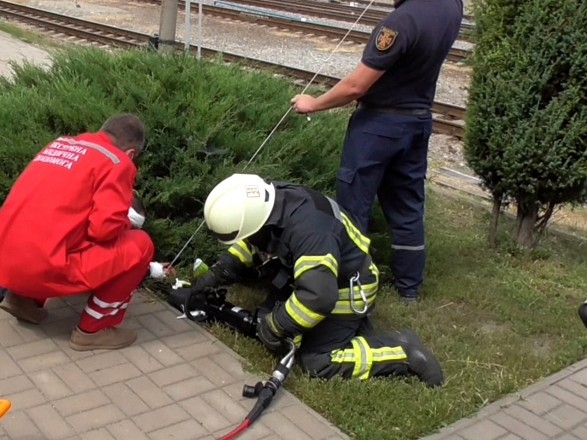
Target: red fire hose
x,y
264,392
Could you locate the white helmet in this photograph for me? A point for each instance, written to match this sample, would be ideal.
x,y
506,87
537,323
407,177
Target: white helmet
x,y
238,207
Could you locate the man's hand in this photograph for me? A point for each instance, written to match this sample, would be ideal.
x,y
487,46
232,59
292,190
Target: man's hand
x,y
304,104
187,298
168,269
136,212
137,220
161,270
270,333
197,299
206,281
202,290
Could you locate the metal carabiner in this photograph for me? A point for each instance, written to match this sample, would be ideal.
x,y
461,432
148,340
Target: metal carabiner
x,y
352,280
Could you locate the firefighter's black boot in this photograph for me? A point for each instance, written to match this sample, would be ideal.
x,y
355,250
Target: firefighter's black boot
x,y
421,361
583,313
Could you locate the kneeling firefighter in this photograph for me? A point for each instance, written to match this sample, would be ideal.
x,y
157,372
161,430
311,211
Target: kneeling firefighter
x,y
326,285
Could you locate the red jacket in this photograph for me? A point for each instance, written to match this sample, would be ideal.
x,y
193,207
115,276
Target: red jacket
x,y
75,193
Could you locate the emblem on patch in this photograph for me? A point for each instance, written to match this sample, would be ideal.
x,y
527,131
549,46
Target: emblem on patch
x,y
385,38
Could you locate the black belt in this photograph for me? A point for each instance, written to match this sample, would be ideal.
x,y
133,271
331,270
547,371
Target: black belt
x,y
396,110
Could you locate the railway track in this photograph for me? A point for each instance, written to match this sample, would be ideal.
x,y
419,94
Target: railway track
x,y
321,30
378,5
80,29
448,119
330,11
348,12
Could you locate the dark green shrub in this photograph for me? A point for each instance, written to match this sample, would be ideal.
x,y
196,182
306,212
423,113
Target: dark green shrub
x,y
205,121
527,114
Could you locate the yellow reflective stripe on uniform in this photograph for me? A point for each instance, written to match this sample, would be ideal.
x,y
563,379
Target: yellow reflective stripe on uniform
x,y
242,252
352,355
297,340
302,315
355,355
306,263
374,270
273,325
340,356
369,289
356,236
386,354
363,358
343,305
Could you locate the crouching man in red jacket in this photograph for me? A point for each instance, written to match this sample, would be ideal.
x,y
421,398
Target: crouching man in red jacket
x,y
64,230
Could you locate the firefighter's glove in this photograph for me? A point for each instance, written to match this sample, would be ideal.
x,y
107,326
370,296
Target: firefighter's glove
x,y
197,299
203,291
207,281
179,297
270,333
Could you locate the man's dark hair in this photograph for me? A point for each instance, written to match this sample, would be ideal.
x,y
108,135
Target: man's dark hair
x,y
127,131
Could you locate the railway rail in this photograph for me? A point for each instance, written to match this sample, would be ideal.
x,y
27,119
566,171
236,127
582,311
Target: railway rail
x,y
330,11
448,119
378,5
332,32
348,12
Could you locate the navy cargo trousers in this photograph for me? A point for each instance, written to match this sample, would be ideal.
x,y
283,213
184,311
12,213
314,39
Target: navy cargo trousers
x,y
385,155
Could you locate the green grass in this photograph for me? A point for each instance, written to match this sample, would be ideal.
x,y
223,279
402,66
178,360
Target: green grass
x,y
498,320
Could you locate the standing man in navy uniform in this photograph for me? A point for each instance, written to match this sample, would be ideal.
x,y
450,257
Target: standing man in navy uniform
x,y
386,144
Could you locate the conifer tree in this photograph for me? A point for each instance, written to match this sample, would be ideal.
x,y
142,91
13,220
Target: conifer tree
x,y
527,113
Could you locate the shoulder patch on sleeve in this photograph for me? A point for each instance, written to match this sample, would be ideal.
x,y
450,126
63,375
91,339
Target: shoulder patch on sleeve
x,y
385,38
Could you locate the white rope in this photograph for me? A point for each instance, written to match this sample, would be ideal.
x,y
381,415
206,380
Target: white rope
x,y
187,243
282,118
339,44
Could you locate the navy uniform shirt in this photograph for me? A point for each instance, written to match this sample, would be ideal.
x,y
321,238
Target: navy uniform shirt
x,y
410,45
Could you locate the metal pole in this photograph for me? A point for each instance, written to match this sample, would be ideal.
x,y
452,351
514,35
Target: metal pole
x,y
188,25
199,28
168,24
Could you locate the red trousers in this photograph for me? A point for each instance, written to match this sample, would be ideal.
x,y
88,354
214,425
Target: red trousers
x,y
110,273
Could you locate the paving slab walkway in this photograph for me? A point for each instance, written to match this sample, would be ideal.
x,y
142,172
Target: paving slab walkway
x,y
176,382
554,408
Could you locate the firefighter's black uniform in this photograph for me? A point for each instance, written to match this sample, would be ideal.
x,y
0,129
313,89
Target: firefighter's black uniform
x,y
323,256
